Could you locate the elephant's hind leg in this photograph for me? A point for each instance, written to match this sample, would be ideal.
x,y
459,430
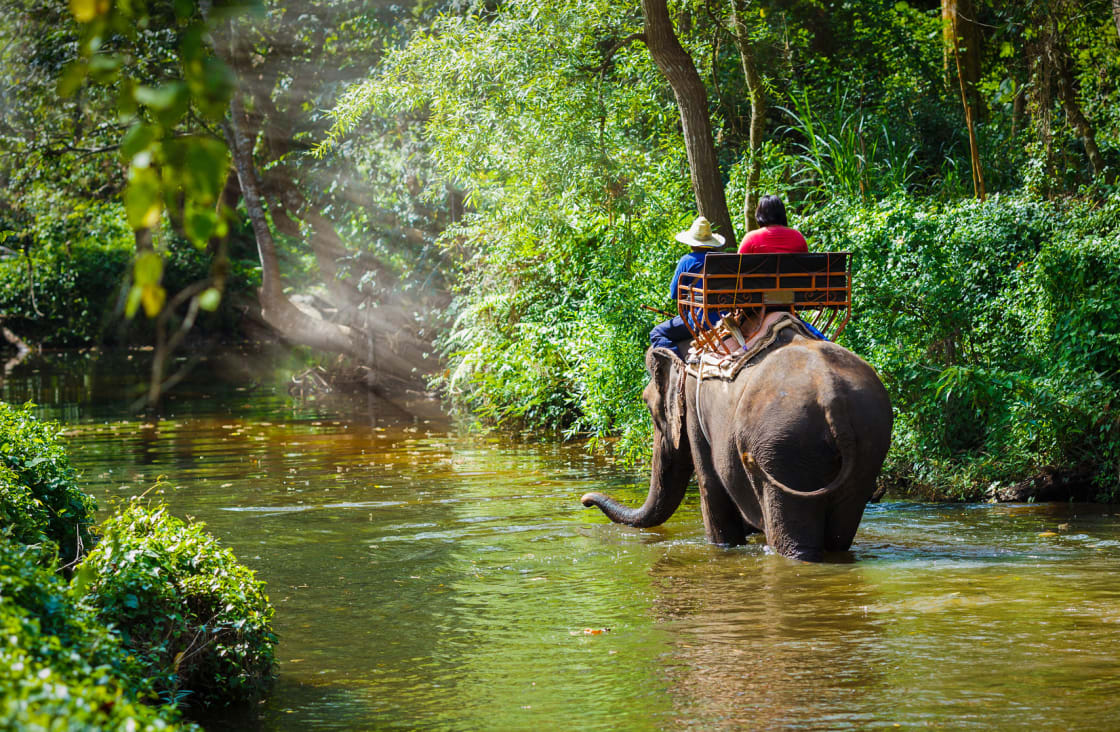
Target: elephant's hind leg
x,y
722,520
844,516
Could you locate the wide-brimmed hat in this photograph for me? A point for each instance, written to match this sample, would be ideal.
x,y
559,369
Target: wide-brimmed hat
x,y
700,235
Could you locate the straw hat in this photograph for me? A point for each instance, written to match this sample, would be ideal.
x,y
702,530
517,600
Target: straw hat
x,y
700,235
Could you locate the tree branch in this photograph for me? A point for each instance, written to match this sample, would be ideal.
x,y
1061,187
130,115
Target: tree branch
x,y
618,45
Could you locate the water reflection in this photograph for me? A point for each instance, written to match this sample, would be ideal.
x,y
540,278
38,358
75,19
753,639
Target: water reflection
x,y
426,578
765,642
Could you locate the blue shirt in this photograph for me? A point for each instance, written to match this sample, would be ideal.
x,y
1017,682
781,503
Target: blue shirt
x,y
692,262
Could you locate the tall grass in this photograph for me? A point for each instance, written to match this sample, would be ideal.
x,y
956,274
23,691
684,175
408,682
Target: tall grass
x,y
842,153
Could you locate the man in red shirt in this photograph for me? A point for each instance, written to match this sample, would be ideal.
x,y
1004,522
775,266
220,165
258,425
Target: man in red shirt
x,y
774,236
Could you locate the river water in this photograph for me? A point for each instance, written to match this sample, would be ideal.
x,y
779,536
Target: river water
x,y
429,578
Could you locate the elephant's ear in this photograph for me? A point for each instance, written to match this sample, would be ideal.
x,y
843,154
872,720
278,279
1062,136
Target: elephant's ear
x,y
666,397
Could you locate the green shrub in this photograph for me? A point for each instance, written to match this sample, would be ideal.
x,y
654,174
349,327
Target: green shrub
x,y
198,619
549,332
73,258
992,325
63,635
25,518
39,498
37,697
57,662
74,254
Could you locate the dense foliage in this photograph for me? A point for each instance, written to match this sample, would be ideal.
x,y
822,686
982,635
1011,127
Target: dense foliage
x,y
40,501
978,314
68,287
197,619
57,661
992,327
156,612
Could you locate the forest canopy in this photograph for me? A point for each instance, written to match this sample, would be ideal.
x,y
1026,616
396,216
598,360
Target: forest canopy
x,y
485,192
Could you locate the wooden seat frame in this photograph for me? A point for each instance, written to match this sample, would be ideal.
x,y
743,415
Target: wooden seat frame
x,y
742,288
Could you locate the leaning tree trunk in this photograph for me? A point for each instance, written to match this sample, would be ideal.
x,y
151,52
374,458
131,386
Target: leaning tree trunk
x,y
692,100
962,45
276,309
1067,91
758,111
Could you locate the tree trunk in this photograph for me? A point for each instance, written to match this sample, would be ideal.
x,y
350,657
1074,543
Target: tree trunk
x,y
276,309
758,111
1067,90
962,44
1116,15
692,99
962,35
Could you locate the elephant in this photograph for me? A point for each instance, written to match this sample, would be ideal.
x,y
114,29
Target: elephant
x,y
791,446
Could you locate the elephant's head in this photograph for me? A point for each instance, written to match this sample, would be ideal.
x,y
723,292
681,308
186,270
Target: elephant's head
x,y
672,458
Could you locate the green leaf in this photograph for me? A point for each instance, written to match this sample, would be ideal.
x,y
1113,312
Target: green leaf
x,y
86,10
133,303
161,97
72,78
138,138
210,299
152,298
147,269
142,202
207,162
82,578
200,225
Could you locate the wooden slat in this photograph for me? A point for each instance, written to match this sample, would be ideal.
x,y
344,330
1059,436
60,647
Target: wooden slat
x,y
816,286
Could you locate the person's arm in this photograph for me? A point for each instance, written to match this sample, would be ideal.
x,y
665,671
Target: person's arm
x,y
676,279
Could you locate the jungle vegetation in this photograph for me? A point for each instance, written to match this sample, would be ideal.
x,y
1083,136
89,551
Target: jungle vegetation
x,y
122,624
485,192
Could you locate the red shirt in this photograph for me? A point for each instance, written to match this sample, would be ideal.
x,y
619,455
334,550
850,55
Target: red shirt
x,y
773,240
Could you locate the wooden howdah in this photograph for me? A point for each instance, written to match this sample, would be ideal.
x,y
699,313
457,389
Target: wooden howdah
x,y
742,288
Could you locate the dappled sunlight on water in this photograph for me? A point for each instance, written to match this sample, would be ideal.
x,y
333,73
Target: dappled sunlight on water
x,y
427,578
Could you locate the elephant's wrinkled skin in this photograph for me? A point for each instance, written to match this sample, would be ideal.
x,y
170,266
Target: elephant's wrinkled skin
x,y
796,442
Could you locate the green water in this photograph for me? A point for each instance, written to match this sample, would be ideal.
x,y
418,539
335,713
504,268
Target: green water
x,y
425,578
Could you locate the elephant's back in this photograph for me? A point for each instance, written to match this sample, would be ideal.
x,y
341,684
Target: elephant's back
x,y
801,401
821,369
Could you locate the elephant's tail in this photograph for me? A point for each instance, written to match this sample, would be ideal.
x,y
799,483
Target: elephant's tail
x,y
845,439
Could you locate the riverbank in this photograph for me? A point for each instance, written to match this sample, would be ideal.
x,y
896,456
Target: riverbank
x,y
97,378
125,622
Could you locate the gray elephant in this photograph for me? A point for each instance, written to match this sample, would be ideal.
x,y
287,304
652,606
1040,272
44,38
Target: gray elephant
x,y
790,446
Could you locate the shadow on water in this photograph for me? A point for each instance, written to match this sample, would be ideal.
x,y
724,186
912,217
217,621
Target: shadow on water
x,y
427,578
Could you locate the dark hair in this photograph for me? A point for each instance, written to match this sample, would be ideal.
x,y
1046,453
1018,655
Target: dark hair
x,y
771,212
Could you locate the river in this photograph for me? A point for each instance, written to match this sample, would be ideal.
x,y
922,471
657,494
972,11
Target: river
x,y
427,577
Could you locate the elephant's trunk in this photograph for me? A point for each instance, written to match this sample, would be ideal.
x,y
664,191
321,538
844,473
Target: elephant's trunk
x,y
672,467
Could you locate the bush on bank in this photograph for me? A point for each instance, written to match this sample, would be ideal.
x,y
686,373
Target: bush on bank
x,y
994,329
197,618
59,665
156,610
39,497
62,281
